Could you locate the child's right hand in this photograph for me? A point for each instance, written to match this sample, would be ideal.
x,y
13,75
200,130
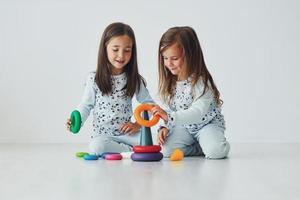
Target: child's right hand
x,y
157,110
162,135
68,124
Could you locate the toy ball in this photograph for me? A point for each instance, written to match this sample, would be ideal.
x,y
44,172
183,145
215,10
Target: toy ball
x,y
176,155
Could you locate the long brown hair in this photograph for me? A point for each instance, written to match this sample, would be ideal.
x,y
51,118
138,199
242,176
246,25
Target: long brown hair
x,y
103,73
186,38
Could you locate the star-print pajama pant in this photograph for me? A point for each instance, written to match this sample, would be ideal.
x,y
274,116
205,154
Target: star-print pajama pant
x,y
107,143
209,141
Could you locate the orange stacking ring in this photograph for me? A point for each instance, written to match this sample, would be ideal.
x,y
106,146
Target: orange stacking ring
x,y
140,120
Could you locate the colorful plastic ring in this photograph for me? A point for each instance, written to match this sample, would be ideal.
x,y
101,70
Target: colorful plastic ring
x,y
81,154
106,153
75,121
90,157
147,157
113,156
140,120
147,149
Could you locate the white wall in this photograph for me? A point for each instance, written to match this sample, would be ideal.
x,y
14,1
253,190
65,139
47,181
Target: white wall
x,y
48,47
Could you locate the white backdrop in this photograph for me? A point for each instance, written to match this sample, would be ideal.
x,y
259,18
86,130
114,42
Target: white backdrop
x,y
48,47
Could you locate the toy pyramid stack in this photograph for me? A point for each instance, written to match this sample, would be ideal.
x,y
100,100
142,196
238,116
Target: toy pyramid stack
x,y
146,151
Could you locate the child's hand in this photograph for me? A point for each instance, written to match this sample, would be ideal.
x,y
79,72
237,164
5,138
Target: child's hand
x,y
162,135
68,124
130,128
156,110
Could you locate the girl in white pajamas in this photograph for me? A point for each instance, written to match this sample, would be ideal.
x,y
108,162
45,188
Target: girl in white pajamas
x,y
193,120
109,92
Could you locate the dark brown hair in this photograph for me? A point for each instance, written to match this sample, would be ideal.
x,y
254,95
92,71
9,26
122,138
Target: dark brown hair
x,y
103,73
186,38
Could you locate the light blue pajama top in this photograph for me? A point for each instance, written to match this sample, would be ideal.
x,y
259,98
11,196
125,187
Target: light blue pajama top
x,y
109,111
191,111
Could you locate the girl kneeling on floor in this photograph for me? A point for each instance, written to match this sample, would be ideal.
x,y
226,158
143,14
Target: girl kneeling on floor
x,y
109,92
193,120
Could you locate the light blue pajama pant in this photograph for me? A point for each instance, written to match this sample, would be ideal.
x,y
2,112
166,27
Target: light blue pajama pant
x,y
107,143
208,141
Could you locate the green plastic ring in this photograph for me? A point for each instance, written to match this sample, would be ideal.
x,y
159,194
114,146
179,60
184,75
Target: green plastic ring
x,y
75,121
81,154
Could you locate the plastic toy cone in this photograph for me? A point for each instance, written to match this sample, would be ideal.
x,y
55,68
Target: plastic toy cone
x,y
146,137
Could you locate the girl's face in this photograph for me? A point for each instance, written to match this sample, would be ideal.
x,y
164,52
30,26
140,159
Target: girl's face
x,y
174,61
119,53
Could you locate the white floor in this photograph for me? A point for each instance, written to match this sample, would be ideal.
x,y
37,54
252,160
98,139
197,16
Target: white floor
x,y
51,171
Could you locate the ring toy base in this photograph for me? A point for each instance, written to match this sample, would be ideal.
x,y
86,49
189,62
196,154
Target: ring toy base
x,y
146,157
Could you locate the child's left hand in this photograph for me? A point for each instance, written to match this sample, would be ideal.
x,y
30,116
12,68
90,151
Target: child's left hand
x,y
130,128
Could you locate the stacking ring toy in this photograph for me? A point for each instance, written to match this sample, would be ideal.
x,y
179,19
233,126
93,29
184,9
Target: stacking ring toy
x,y
147,149
147,156
140,120
75,121
81,154
103,155
113,157
90,157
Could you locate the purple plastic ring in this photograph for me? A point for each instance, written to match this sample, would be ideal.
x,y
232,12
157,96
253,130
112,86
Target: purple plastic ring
x,y
147,157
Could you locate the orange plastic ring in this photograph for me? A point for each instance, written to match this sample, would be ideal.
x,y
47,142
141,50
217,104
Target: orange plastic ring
x,y
140,120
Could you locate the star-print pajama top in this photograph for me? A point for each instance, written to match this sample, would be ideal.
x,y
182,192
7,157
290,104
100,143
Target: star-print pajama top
x,y
191,110
109,111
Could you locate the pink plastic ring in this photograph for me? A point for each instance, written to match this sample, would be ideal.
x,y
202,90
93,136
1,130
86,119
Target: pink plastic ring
x,y
113,156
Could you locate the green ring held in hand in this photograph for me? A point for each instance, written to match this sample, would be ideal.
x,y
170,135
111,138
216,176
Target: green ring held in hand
x,y
75,121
